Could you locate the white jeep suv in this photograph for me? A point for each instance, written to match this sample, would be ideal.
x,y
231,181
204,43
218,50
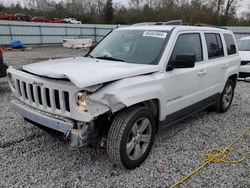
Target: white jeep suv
x,y
137,80
244,52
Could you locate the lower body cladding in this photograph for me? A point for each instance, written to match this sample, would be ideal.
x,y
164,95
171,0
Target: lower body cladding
x,y
77,134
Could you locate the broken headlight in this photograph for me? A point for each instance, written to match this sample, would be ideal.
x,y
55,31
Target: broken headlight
x,y
81,97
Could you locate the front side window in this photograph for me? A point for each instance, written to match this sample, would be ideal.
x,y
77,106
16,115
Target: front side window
x,y
188,44
214,45
231,47
132,46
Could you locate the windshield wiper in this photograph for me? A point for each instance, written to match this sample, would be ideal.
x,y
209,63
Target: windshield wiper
x,y
90,56
109,58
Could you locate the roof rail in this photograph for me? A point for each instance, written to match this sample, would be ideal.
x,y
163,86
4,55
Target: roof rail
x,y
209,25
170,22
174,22
148,23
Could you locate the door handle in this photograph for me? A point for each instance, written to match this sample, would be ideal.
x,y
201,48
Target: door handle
x,y
202,72
224,66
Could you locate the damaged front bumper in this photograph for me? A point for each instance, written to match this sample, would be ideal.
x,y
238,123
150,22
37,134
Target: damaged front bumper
x,y
75,133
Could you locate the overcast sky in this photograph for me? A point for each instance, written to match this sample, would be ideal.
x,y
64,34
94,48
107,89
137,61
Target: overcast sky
x,y
243,4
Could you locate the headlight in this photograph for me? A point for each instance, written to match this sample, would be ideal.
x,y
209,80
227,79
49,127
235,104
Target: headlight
x,y
11,81
81,100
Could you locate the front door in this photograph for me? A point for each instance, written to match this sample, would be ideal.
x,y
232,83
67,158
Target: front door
x,y
185,86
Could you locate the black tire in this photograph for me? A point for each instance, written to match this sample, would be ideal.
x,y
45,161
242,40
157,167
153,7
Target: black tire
x,y
121,132
220,106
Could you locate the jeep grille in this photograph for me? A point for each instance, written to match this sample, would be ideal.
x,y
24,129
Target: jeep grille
x,y
43,97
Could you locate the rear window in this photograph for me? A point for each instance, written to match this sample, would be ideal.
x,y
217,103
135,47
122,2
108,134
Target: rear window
x,y
214,45
231,47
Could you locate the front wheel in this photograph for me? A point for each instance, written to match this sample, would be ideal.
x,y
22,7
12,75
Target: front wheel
x,y
226,97
131,137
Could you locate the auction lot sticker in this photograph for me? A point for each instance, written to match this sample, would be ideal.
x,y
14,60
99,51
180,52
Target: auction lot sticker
x,y
156,34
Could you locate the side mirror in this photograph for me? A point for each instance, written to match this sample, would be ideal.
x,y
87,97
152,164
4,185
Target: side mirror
x,y
182,61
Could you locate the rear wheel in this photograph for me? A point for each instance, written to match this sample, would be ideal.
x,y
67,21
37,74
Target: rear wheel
x,y
131,137
226,97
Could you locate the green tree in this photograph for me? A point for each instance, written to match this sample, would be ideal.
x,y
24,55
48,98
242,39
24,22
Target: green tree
x,y
216,12
109,11
2,8
229,14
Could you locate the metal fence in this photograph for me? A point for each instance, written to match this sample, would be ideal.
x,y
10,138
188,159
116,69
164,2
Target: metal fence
x,y
240,32
49,33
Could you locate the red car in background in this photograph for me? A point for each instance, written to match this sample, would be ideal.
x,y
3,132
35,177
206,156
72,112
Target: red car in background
x,y
23,17
7,16
56,20
39,19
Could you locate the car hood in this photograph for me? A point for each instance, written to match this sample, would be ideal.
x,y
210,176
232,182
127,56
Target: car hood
x,y
85,72
244,55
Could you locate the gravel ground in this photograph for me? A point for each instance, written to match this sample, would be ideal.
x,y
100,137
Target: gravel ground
x,y
31,158
39,54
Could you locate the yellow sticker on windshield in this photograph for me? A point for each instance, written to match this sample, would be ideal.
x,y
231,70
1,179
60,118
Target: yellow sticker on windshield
x,y
156,34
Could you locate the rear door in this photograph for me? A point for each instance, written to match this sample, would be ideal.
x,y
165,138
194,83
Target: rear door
x,y
215,64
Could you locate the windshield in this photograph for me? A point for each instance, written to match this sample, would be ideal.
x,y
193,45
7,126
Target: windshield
x,y
131,46
244,45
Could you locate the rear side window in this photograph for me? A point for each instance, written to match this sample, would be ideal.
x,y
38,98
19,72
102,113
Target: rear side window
x,y
231,47
214,45
188,44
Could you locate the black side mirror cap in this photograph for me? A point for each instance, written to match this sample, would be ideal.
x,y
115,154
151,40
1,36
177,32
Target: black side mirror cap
x,y
182,61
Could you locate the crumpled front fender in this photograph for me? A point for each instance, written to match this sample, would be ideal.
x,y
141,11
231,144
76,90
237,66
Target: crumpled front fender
x,y
101,103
